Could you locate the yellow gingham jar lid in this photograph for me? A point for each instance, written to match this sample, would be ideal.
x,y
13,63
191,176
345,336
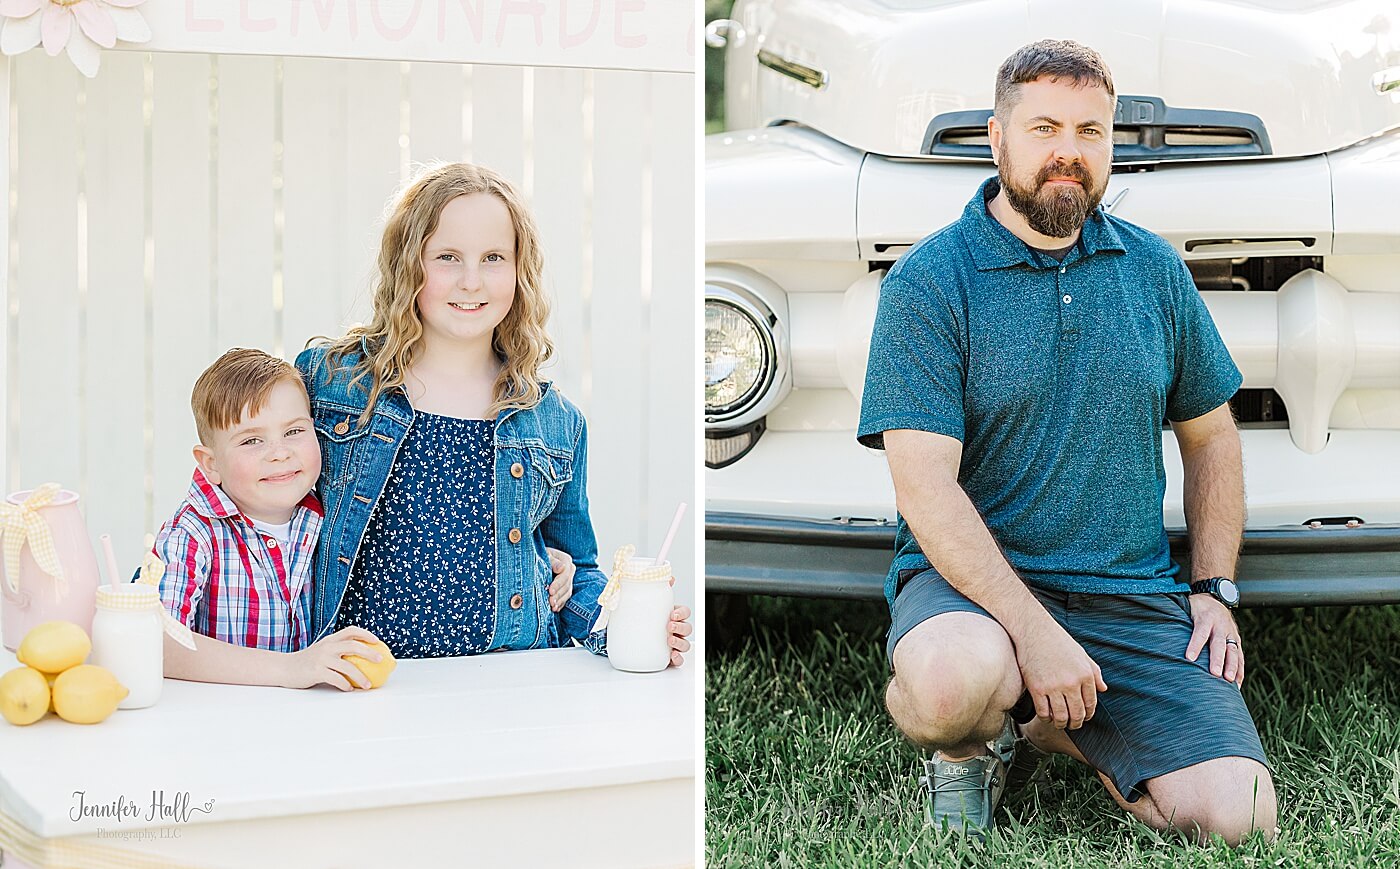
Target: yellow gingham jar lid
x,y
626,565
128,596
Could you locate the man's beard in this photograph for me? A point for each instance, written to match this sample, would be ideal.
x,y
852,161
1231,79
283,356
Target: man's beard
x,y
1058,210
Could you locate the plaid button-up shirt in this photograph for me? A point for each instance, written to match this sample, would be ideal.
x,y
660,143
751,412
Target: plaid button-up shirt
x,y
227,580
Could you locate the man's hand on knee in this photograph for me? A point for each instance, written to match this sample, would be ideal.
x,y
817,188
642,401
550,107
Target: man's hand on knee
x,y
1213,625
1062,679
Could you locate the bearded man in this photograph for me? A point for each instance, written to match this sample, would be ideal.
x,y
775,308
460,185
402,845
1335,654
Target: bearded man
x,y
1023,361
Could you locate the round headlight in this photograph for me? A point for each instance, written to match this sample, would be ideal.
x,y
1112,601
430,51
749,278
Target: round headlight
x,y
747,371
738,358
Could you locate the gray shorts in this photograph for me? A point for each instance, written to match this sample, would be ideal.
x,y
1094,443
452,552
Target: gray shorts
x,y
1161,712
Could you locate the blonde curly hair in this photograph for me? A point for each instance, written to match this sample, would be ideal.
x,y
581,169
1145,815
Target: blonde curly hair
x,y
392,338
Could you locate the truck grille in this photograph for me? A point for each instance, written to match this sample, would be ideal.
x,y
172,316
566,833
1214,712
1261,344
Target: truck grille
x,y
1145,130
1264,273
1259,408
1253,408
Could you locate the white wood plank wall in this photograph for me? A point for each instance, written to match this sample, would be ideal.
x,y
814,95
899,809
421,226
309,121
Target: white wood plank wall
x,y
178,205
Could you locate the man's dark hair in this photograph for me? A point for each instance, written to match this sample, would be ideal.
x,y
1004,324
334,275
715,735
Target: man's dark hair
x,y
1057,58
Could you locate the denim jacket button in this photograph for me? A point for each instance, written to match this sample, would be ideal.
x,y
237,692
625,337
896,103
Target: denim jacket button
x,y
517,470
516,601
342,427
514,535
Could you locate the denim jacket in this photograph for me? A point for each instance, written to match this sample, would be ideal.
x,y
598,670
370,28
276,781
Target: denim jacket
x,y
540,476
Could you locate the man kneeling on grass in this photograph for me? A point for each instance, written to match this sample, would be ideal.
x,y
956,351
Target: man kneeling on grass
x,y
1023,360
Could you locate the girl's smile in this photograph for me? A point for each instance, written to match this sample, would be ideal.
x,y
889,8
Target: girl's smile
x,y
467,306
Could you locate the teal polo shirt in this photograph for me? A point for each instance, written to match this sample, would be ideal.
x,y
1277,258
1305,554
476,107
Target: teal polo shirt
x,y
1056,377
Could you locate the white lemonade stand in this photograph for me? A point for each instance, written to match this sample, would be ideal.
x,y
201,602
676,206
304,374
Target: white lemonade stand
x,y
515,759
223,184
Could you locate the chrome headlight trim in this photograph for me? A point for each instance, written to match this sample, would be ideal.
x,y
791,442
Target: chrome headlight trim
x,y
759,320
775,380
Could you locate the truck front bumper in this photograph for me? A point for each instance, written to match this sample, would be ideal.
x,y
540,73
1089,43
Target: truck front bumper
x,y
1284,566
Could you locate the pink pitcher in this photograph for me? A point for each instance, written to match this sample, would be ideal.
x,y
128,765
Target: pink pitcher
x,y
42,597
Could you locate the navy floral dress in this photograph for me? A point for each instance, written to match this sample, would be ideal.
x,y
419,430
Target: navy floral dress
x,y
425,578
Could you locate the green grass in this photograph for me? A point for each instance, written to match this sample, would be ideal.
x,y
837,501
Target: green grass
x,y
804,768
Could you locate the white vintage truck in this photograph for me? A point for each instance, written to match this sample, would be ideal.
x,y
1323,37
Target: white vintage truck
x,y
1261,139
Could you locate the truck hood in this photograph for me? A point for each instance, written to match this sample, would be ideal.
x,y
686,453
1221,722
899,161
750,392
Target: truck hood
x,y
1308,70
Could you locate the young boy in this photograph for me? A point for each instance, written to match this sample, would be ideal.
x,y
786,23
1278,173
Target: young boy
x,y
238,551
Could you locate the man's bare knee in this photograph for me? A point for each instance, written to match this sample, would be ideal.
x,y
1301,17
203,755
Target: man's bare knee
x,y
1232,822
941,717
949,671
1237,812
1230,797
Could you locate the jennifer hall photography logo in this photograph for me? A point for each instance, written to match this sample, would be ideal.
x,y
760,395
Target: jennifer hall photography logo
x,y
164,808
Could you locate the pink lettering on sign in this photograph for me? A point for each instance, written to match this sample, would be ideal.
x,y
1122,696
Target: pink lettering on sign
x,y
530,8
476,18
632,40
251,24
200,25
325,12
570,40
391,33
568,25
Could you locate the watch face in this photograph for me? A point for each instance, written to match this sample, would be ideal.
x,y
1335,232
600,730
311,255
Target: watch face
x,y
1229,592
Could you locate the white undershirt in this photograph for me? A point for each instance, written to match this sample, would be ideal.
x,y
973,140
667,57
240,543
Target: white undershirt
x,y
283,532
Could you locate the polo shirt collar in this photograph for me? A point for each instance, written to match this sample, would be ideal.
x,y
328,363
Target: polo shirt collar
x,y
993,246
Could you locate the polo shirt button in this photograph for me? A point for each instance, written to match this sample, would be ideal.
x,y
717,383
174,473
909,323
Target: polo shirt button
x,y
514,535
1062,269
1068,298
517,470
516,601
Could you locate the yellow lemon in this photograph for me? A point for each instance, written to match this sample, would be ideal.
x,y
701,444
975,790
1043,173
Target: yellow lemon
x,y
54,647
24,696
87,694
378,672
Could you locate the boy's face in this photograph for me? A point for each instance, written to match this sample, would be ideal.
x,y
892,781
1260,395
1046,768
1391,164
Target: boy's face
x,y
266,462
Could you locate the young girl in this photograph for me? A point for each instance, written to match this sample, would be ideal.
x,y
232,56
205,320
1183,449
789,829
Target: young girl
x,y
450,470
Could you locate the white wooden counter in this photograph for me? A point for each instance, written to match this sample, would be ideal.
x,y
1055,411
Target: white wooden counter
x,y
520,758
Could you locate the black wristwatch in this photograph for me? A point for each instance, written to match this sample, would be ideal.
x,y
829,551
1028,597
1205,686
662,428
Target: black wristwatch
x,y
1222,588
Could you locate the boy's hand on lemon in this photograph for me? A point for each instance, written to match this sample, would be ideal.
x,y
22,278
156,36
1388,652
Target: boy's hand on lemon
x,y
377,671
24,696
328,661
53,647
87,694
